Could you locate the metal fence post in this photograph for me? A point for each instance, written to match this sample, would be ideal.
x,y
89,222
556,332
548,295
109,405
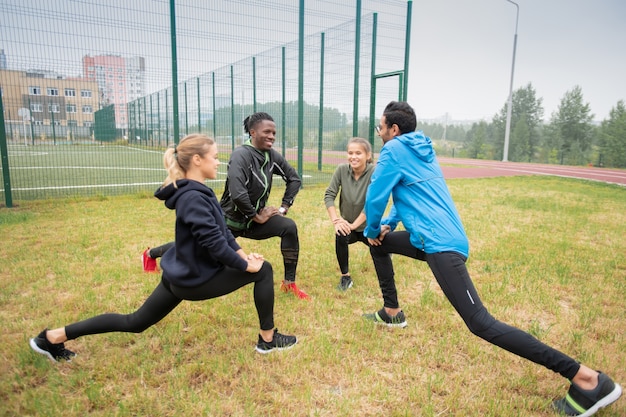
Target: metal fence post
x,y
232,109
301,91
407,49
282,106
174,71
4,153
199,112
357,64
321,113
253,85
372,116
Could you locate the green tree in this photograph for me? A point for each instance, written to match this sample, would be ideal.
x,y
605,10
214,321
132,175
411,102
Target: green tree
x,y
571,129
527,109
523,142
476,146
551,142
449,132
333,120
612,138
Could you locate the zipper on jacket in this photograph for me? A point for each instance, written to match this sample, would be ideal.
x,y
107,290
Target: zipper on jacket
x,y
265,184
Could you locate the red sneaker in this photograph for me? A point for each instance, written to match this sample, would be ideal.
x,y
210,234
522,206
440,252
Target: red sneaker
x,y
149,264
288,287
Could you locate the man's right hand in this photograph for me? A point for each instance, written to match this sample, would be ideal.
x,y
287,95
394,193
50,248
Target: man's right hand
x,y
264,214
384,230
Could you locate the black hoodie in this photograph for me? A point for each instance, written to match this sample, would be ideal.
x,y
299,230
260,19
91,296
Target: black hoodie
x,y
204,245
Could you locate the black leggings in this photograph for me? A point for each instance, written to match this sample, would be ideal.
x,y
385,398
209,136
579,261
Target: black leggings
x,y
166,297
341,248
286,229
451,274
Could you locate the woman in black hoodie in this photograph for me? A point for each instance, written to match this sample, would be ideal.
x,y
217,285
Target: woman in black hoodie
x,y
205,263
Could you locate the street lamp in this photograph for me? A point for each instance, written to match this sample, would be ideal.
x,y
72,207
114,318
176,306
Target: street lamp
x,y
507,132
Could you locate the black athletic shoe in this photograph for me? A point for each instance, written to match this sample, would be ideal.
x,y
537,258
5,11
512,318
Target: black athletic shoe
x,y
55,351
345,283
279,342
584,403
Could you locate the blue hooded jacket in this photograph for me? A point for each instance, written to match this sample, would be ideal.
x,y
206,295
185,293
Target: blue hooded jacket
x,y
407,169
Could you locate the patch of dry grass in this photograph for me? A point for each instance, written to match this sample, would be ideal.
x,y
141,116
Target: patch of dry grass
x,y
547,255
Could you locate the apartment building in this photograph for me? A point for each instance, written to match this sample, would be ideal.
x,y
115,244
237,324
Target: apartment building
x,y
120,80
50,98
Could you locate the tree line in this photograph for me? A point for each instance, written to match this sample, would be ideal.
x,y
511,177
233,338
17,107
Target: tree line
x,y
570,137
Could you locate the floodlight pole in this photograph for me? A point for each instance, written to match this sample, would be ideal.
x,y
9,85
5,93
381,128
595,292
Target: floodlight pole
x,y
507,132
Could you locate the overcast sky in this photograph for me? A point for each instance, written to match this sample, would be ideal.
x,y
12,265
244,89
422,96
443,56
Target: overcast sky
x,y
462,51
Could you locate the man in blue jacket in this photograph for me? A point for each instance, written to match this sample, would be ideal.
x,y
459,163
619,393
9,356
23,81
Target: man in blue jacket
x,y
408,171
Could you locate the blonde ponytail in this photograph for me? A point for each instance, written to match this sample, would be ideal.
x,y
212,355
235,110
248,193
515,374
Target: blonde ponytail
x,y
177,159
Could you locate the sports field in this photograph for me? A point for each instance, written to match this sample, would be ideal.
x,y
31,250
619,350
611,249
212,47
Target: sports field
x,y
69,170
546,255
63,169
91,169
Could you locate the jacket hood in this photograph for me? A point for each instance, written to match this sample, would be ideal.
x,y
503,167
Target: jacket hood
x,y
170,194
420,145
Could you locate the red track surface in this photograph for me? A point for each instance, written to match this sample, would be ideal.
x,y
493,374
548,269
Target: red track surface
x,y
477,168
480,168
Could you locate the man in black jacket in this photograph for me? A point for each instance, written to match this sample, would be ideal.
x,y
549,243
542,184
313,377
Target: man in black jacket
x,y
248,185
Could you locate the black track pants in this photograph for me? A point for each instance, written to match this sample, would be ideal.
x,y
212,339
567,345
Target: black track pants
x,y
452,276
166,297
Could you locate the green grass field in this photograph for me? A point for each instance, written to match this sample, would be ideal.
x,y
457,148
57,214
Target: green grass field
x,y
547,255
87,170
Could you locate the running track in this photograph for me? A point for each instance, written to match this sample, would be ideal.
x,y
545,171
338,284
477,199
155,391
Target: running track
x,y
478,168
481,168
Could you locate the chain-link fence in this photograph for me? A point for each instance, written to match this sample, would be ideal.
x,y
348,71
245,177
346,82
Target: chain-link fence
x,y
92,92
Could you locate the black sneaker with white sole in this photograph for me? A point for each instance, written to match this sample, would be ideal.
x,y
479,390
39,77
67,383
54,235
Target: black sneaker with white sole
x,y
279,342
54,351
584,403
345,283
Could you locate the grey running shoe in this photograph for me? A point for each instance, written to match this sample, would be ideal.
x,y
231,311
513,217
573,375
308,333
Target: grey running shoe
x,y
345,283
584,403
279,342
54,351
381,317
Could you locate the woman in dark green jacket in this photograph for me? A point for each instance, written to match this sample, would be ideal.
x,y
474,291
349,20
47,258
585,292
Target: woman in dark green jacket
x,y
349,182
